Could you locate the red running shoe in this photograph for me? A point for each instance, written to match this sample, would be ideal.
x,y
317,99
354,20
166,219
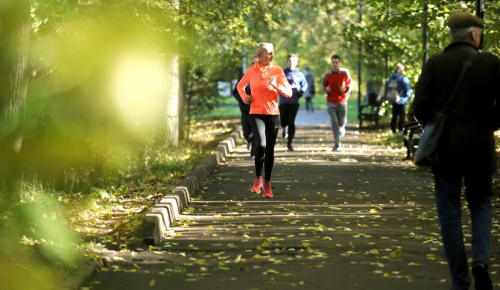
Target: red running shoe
x,y
267,190
257,184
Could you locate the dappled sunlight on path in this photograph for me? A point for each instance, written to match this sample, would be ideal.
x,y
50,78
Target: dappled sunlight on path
x,y
357,218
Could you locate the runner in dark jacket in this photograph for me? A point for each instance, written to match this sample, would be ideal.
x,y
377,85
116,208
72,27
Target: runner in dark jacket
x,y
245,110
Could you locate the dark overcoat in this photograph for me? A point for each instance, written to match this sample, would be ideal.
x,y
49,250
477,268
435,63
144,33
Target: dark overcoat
x,y
244,108
467,142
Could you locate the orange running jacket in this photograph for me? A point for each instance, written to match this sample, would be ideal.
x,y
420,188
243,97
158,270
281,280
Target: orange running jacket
x,y
265,96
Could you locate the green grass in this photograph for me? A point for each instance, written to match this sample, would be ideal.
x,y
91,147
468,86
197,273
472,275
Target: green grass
x,y
229,108
48,234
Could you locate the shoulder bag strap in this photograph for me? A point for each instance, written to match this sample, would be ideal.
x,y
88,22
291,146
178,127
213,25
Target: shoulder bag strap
x,y
465,66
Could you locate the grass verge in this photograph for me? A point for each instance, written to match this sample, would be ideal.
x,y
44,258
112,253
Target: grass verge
x,y
48,235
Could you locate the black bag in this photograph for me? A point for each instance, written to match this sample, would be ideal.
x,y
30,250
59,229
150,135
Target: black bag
x,y
427,146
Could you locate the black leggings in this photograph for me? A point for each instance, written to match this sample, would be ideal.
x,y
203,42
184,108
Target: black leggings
x,y
265,130
398,111
288,113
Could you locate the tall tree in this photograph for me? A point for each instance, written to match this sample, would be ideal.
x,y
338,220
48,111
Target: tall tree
x,y
14,42
173,103
174,94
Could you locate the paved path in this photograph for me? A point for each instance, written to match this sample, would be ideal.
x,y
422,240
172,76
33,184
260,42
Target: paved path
x,y
359,218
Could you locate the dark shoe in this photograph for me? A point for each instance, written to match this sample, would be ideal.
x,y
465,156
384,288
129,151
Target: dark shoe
x,y
336,148
290,148
285,133
249,145
482,280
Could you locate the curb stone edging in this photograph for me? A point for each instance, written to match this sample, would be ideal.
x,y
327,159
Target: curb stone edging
x,y
74,281
158,220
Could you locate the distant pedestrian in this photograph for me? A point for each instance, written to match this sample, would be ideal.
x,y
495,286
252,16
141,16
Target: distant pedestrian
x,y
337,84
290,106
466,150
399,107
311,89
245,111
266,81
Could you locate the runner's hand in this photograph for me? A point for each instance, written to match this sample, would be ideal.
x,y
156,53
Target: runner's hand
x,y
272,82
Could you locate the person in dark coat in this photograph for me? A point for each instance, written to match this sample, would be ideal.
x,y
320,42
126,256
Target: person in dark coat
x,y
245,110
466,150
311,88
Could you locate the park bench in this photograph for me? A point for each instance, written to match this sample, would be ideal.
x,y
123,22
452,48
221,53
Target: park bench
x,y
412,132
370,111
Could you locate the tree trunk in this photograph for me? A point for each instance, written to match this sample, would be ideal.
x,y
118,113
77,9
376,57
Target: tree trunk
x,y
172,116
182,99
14,42
175,97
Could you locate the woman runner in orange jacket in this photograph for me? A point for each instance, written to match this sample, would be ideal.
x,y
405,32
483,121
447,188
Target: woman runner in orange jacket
x,y
266,81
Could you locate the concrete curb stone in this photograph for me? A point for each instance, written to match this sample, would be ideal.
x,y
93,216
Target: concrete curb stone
x,y
158,220
74,281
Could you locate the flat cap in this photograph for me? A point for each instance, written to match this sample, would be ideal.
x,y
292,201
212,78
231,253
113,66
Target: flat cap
x,y
463,20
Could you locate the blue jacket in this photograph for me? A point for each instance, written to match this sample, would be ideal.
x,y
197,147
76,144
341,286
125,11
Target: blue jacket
x,y
404,88
298,82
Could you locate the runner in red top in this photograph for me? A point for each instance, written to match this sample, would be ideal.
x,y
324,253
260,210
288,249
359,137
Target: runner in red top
x,y
266,81
336,85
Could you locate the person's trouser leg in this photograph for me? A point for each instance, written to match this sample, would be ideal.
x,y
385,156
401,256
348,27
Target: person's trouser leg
x,y
342,113
284,115
292,114
309,104
272,128
394,118
245,125
402,117
478,191
334,121
247,131
259,133
448,185
265,129
253,150
345,113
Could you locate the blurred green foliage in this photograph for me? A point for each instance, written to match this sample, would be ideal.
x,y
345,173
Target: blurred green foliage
x,y
84,95
96,66
392,32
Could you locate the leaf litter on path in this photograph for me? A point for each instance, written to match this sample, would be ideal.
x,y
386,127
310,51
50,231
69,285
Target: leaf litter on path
x,y
389,231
